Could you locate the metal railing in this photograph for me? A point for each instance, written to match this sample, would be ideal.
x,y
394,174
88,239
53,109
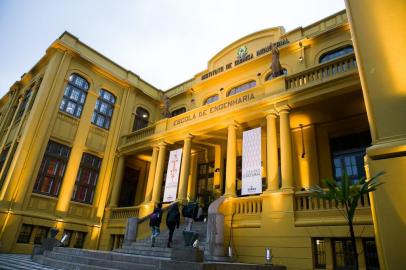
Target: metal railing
x,y
322,72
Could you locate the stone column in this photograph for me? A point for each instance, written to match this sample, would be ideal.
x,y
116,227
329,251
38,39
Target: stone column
x,y
115,193
286,149
77,151
192,177
271,153
156,192
151,175
185,168
231,167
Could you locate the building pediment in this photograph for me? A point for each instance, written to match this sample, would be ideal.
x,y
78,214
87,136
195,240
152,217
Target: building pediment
x,y
243,50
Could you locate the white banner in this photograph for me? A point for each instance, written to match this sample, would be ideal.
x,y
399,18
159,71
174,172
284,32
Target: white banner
x,y
172,175
251,162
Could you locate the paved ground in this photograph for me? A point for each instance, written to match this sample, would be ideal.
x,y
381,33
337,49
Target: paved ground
x,y
19,261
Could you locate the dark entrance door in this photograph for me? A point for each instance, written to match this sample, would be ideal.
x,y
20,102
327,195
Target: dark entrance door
x,y
205,175
128,187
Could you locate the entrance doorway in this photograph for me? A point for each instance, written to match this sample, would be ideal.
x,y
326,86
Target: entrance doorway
x,y
205,175
128,187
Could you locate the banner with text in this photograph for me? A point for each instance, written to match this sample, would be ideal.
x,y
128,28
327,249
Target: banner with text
x,y
251,162
172,175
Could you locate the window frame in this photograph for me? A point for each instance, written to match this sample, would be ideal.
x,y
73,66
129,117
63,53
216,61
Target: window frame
x,y
60,161
178,111
39,234
319,253
99,114
139,121
342,148
82,91
24,104
24,237
346,253
90,171
336,53
241,88
208,100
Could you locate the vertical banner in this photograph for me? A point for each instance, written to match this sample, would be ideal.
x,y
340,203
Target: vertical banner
x,y
172,175
251,162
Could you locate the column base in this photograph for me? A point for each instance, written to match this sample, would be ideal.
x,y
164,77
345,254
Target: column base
x,y
229,195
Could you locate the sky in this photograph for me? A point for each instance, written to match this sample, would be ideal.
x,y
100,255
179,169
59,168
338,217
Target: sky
x,y
165,42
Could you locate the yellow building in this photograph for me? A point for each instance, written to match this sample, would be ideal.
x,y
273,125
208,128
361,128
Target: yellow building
x,y
84,146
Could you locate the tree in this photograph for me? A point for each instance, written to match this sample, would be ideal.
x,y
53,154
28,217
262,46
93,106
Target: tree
x,y
347,194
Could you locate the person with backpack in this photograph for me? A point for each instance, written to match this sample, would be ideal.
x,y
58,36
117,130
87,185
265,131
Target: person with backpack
x,y
172,220
155,222
189,212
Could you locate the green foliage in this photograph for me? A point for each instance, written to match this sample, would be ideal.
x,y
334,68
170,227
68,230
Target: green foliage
x,y
346,193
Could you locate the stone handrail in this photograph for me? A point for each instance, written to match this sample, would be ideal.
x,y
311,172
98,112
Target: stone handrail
x,y
306,201
139,134
124,212
322,72
248,205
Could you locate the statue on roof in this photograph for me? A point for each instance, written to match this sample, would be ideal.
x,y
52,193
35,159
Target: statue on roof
x,y
275,65
166,103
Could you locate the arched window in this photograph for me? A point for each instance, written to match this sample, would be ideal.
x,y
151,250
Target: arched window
x,y
103,111
141,119
178,111
211,99
336,53
242,88
74,96
270,76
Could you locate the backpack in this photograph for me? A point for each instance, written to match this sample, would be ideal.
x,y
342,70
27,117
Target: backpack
x,y
190,210
154,219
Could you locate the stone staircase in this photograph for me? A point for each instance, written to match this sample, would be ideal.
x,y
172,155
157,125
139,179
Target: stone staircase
x,y
135,256
160,249
75,259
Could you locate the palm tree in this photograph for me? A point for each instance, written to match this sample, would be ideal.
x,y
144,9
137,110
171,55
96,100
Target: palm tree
x,y
347,194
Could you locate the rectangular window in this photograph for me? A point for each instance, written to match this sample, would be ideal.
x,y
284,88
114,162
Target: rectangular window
x,y
319,253
371,254
343,254
103,110
3,157
116,241
74,95
348,155
80,239
52,170
86,179
24,104
25,233
68,234
40,235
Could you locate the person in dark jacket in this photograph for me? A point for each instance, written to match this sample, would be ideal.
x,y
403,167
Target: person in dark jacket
x,y
154,222
172,220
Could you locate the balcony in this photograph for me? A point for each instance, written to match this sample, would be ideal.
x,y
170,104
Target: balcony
x,y
322,72
313,211
339,68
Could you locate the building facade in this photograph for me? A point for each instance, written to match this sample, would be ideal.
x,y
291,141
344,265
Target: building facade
x,y
85,145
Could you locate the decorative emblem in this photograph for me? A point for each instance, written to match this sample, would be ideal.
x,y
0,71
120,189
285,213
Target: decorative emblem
x,y
242,52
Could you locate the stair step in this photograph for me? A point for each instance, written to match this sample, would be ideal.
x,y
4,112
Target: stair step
x,y
68,265
107,255
153,253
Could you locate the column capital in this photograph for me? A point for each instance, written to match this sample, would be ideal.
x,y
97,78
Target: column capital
x,y
162,144
189,136
272,114
284,109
